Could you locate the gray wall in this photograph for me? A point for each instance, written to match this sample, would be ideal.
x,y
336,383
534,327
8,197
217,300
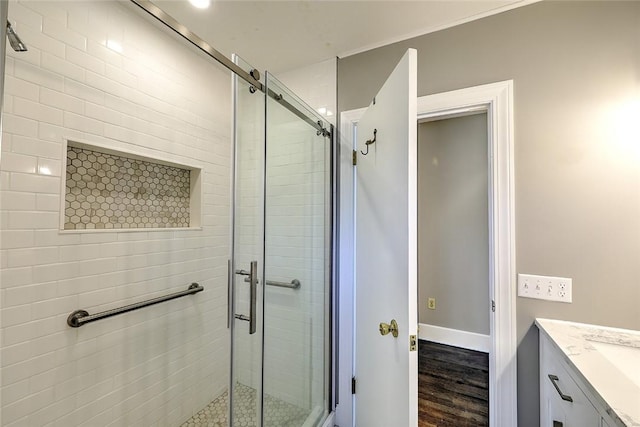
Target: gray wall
x,y
575,66
453,223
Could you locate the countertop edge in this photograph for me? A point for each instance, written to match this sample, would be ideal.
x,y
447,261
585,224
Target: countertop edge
x,y
592,389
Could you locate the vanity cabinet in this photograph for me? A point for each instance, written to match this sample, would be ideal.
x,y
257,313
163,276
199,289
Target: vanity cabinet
x,y
589,375
563,400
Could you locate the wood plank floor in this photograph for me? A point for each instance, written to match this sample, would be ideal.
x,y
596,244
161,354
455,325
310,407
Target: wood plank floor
x,y
453,388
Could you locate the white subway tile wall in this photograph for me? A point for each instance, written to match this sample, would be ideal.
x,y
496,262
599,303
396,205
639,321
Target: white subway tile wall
x,y
156,366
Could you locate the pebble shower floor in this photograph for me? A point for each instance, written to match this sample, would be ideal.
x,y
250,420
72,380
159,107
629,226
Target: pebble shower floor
x,y
277,412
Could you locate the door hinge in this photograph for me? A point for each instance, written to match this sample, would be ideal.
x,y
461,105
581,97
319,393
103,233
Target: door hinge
x,y
412,343
493,306
353,385
354,157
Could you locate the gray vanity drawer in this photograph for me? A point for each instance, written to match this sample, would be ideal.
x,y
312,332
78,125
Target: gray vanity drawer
x,y
562,401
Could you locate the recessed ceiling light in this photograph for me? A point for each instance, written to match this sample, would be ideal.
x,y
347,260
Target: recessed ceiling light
x,y
200,4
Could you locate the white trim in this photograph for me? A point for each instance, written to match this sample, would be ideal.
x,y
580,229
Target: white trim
x,y
433,29
497,100
345,265
455,337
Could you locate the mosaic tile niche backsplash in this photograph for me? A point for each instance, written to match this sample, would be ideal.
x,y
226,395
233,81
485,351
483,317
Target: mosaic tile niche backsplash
x,y
107,191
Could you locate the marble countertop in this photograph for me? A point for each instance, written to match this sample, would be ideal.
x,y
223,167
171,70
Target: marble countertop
x,y
607,359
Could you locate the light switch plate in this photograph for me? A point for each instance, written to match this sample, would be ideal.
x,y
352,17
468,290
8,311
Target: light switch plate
x,y
545,287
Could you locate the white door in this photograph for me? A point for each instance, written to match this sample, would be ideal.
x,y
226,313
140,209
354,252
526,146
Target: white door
x,y
386,368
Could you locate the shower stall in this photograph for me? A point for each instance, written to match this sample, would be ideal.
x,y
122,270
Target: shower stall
x,y
281,270
165,229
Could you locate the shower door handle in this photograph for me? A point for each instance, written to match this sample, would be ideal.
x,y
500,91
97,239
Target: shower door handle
x,y
253,288
252,275
229,293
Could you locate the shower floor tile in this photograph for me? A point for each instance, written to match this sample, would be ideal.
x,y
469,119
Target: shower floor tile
x,y
277,412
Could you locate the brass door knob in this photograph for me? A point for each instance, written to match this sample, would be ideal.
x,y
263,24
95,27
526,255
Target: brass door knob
x,y
385,328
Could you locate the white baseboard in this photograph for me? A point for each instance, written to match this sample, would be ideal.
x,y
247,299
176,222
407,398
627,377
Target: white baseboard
x,y
455,337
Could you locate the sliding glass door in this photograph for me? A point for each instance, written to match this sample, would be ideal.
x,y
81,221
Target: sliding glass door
x,y
297,262
247,260
280,269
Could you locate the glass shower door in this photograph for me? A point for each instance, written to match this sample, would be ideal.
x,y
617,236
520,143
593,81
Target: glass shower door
x,y
280,273
297,228
246,266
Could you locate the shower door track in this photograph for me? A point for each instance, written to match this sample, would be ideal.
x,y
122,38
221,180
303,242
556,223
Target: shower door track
x,y
192,38
183,31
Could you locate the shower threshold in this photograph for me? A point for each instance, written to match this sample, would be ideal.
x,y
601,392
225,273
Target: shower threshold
x,y
277,413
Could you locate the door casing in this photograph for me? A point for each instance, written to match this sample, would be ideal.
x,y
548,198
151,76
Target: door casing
x,y
496,99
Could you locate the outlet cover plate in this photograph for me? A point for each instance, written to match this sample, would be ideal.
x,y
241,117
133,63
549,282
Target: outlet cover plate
x,y
545,287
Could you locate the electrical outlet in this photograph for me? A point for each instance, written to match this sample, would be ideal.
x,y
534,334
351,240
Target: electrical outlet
x,y
431,303
545,287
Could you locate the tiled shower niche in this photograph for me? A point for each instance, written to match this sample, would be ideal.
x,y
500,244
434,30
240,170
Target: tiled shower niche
x,y
113,190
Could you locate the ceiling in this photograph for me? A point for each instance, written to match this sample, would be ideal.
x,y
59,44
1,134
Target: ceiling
x,y
284,35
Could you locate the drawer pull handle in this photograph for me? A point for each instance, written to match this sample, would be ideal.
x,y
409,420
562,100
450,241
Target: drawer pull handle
x,y
554,379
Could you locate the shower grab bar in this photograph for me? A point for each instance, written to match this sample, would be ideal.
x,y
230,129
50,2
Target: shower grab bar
x,y
294,284
80,317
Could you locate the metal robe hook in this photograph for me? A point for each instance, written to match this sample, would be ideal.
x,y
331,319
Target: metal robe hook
x,y
369,142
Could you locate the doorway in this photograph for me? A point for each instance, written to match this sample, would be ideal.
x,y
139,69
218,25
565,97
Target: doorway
x,y
496,99
453,271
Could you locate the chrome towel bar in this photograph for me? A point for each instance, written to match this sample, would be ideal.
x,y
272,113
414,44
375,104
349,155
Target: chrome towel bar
x,y
80,317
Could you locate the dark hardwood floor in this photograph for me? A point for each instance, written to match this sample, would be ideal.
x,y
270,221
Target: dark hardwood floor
x,y
453,388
